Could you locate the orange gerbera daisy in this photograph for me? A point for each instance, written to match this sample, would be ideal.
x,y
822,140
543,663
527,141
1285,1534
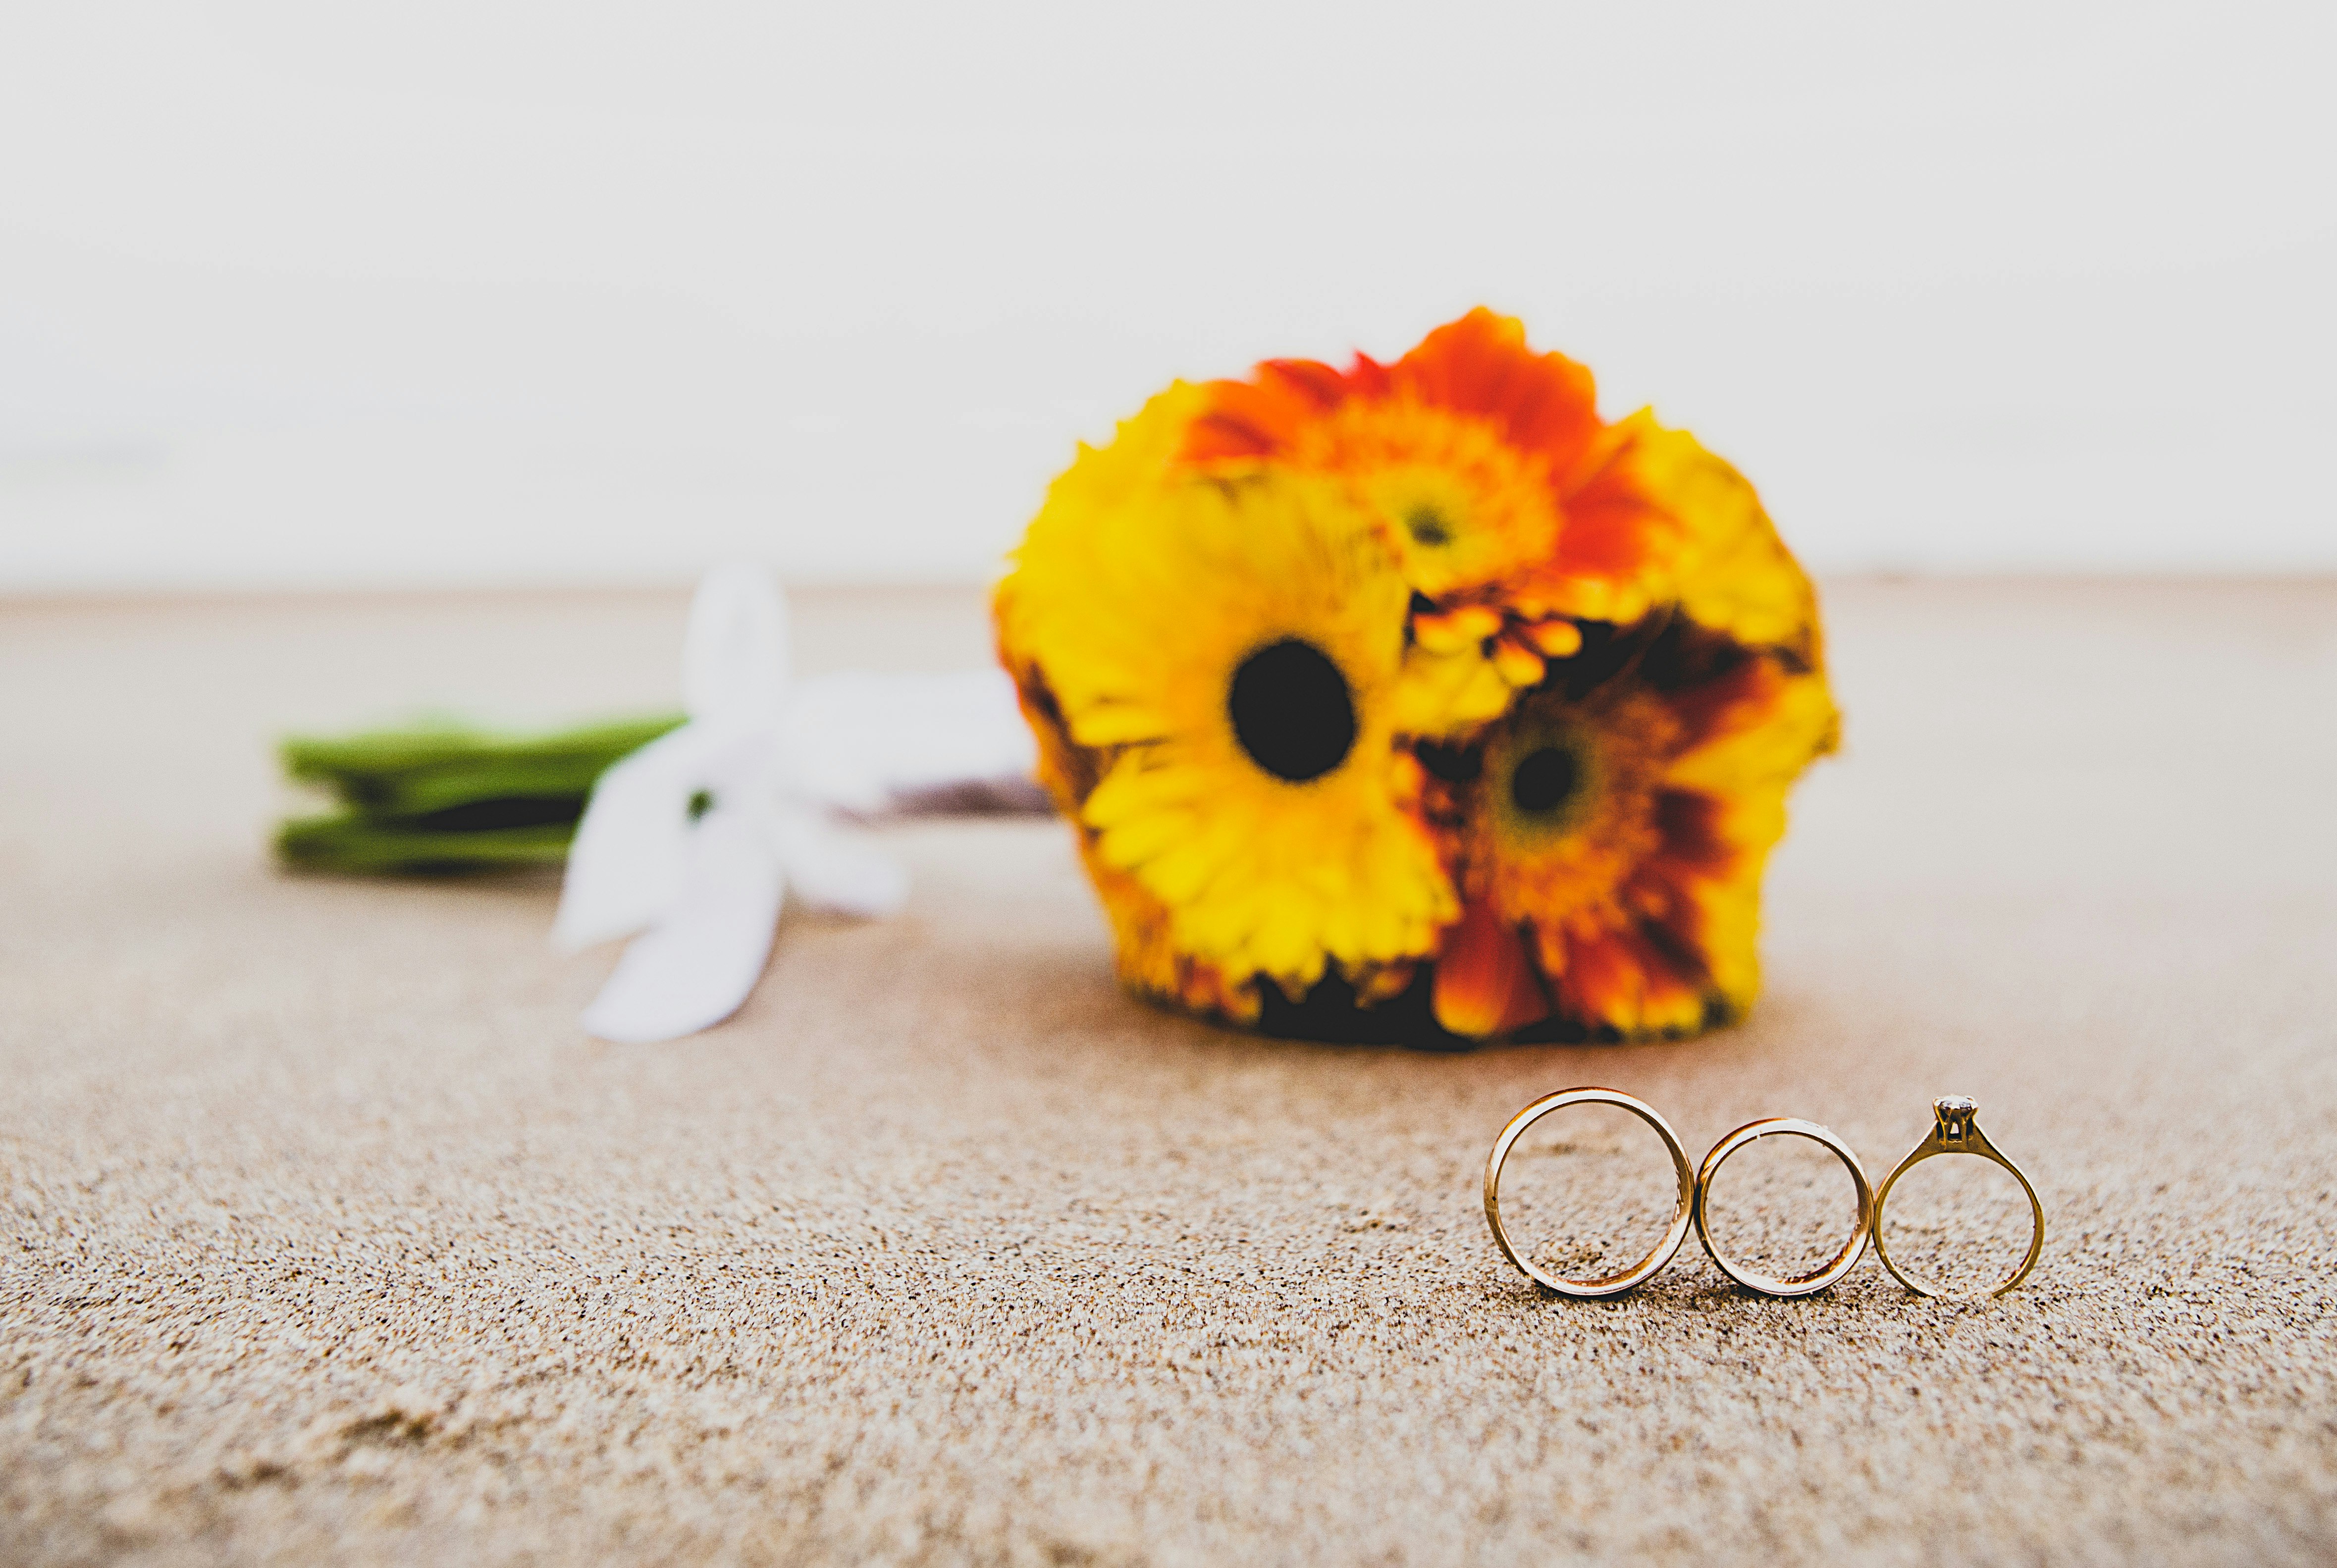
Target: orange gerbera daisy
x,y
1490,473
1612,832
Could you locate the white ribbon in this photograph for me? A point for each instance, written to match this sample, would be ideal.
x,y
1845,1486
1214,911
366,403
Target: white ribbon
x,y
694,840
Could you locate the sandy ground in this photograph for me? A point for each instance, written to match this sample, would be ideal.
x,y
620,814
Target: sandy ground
x,y
326,1236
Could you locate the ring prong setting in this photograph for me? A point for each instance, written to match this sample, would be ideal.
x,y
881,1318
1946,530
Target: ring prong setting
x,y
1955,1114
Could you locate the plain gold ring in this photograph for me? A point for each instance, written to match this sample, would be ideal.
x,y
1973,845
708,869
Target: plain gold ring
x,y
1639,1273
1841,1263
1955,1130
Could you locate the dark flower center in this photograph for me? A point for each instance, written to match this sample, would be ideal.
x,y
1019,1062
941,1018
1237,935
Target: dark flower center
x,y
1544,781
1428,527
1292,711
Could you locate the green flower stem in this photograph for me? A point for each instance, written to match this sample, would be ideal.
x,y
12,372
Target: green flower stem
x,y
448,799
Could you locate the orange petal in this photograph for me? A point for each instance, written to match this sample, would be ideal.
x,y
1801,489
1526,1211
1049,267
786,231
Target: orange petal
x,y
1481,365
1602,980
1262,416
1621,980
1692,831
1485,984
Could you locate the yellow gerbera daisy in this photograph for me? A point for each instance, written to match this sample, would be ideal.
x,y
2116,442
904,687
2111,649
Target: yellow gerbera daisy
x,y
1733,574
1140,456
1228,650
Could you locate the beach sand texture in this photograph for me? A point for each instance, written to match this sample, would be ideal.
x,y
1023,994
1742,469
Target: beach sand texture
x,y
324,1235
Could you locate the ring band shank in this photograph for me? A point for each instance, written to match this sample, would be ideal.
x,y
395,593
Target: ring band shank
x,y
1929,1148
1842,1261
1646,1268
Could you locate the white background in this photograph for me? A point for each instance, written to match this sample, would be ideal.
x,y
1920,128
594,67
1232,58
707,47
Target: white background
x,y
312,294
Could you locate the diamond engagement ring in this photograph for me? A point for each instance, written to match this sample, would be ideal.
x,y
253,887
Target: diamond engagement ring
x,y
1956,1131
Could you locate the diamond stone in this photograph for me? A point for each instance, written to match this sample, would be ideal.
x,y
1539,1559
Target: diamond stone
x,y
1956,1105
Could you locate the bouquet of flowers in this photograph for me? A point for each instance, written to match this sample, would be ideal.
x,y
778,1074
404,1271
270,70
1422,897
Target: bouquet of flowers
x,y
1418,700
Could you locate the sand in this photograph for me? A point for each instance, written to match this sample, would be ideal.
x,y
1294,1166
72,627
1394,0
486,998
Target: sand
x,y
324,1235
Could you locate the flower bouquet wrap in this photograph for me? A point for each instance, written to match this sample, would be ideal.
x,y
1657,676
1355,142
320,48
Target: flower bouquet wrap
x,y
1417,700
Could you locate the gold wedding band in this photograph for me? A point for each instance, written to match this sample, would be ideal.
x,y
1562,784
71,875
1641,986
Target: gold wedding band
x,y
1647,1267
1841,1263
1955,1130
